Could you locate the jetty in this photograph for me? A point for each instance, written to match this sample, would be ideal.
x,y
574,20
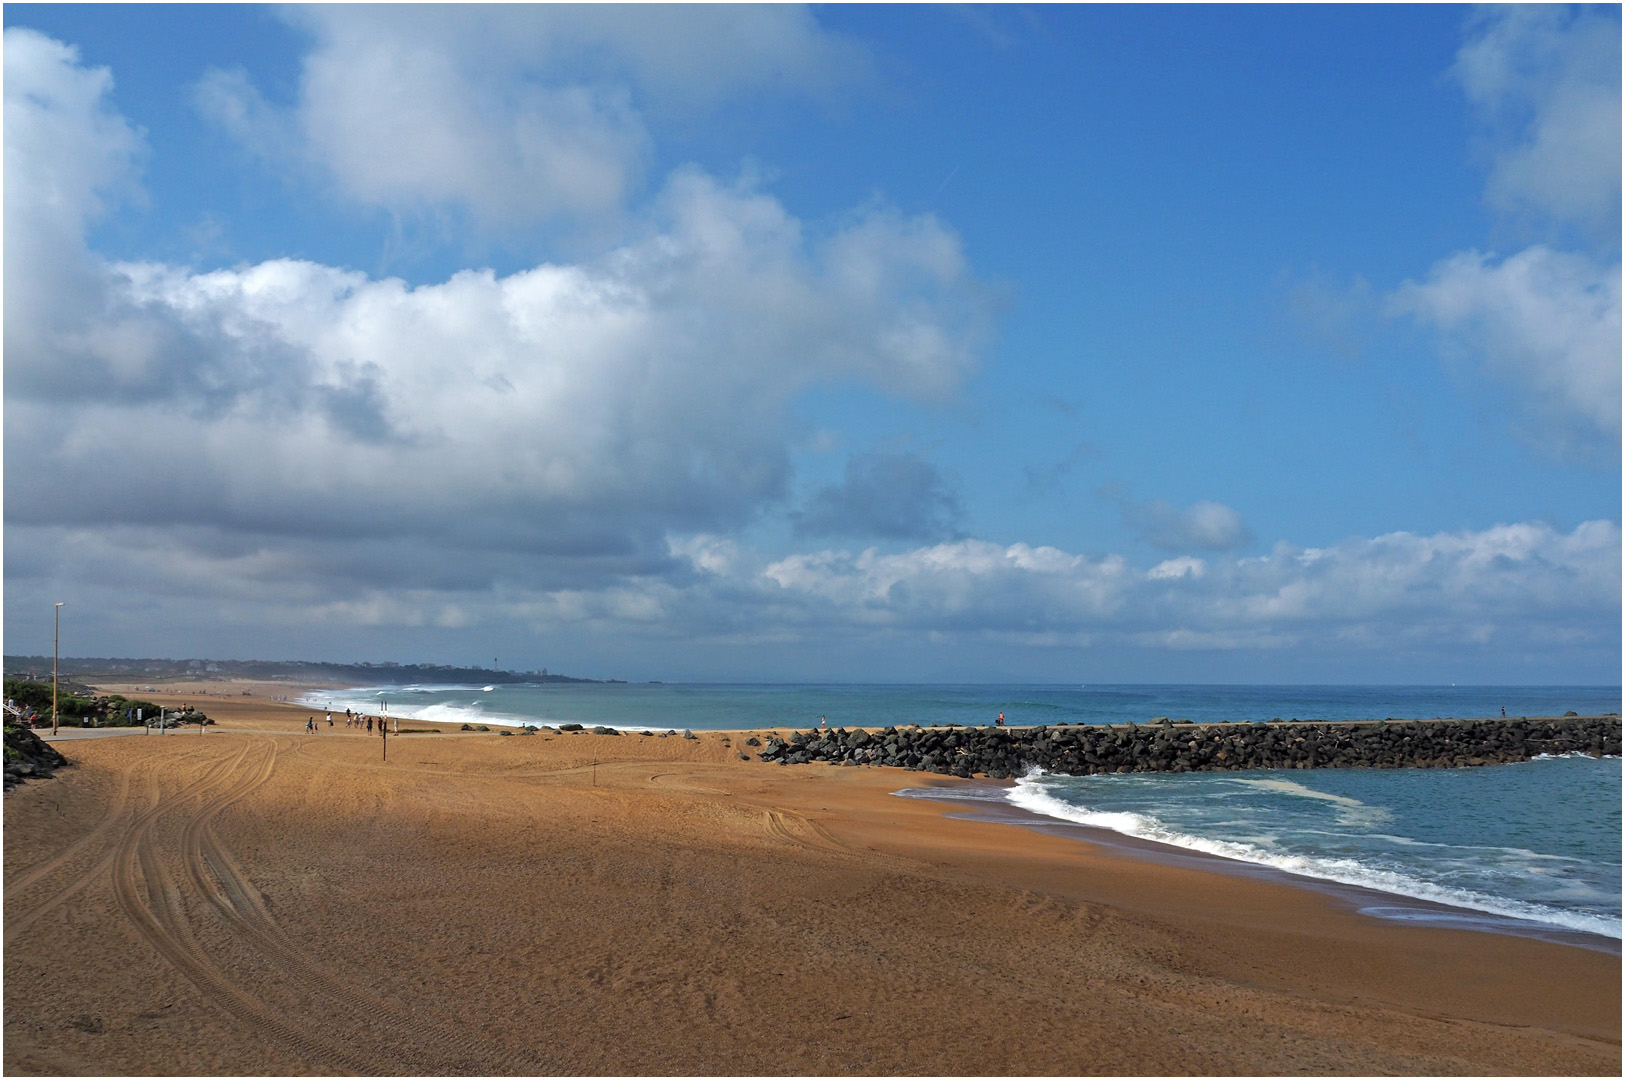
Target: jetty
x,y
1166,746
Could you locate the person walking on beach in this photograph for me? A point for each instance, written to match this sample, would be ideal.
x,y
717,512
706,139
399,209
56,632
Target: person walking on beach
x,y
310,725
369,725
1000,721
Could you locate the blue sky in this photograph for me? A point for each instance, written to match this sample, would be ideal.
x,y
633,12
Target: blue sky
x,y
1091,343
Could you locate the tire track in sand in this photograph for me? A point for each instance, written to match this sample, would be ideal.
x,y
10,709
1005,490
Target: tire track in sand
x,y
30,914
22,879
115,810
803,832
158,913
420,1044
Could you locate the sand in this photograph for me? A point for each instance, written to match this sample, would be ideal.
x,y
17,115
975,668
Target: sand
x,y
257,900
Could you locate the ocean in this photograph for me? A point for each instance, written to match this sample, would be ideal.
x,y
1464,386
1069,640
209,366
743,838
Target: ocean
x,y
1528,845
732,707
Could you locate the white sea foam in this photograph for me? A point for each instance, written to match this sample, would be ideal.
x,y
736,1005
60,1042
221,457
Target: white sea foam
x,y
1350,811
472,710
368,700
1290,788
1029,794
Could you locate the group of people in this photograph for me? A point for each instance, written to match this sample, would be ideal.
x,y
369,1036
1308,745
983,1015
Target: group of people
x,y
351,720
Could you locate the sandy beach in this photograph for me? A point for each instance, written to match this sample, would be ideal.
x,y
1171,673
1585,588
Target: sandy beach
x,y
258,900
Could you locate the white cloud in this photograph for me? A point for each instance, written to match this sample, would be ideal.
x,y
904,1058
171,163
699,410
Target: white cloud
x,y
1545,80
1184,566
513,113
277,448
1450,587
69,157
646,386
1204,526
1510,589
574,414
80,153
1544,322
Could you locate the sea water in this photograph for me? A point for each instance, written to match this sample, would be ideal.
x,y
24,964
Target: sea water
x,y
1537,841
731,707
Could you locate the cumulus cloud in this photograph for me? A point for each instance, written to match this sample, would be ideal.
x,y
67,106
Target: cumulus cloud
x,y
574,414
1202,526
69,157
1547,322
895,495
1516,589
1544,323
284,449
1510,580
1545,81
512,113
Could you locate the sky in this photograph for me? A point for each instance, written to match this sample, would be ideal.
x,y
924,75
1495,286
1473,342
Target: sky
x,y
875,344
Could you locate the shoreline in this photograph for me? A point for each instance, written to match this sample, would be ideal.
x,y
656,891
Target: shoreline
x,y
1364,900
1358,899
593,905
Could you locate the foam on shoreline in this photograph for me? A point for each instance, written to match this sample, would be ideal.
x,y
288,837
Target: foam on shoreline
x,y
1438,905
1029,795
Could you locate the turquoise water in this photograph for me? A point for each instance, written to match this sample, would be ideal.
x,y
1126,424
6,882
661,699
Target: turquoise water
x,y
1537,841
734,707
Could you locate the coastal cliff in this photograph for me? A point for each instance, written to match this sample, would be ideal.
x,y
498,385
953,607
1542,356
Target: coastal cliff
x,y
1084,749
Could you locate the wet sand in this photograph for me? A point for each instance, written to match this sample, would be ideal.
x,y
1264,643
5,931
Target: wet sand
x,y
257,900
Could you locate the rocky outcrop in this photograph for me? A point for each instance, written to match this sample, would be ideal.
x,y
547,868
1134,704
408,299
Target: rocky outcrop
x,y
28,757
1083,749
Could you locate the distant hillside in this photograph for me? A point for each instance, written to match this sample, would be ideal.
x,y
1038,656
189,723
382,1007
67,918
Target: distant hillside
x,y
102,669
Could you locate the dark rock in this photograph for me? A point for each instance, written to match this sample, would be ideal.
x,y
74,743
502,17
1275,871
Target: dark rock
x,y
27,755
1087,749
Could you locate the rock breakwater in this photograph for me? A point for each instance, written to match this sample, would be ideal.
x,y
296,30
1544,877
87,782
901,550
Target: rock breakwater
x,y
1084,749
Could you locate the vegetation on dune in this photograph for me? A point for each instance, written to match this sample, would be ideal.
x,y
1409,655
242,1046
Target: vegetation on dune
x,y
77,703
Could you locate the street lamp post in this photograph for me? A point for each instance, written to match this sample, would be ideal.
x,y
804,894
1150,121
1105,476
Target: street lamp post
x,y
56,648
